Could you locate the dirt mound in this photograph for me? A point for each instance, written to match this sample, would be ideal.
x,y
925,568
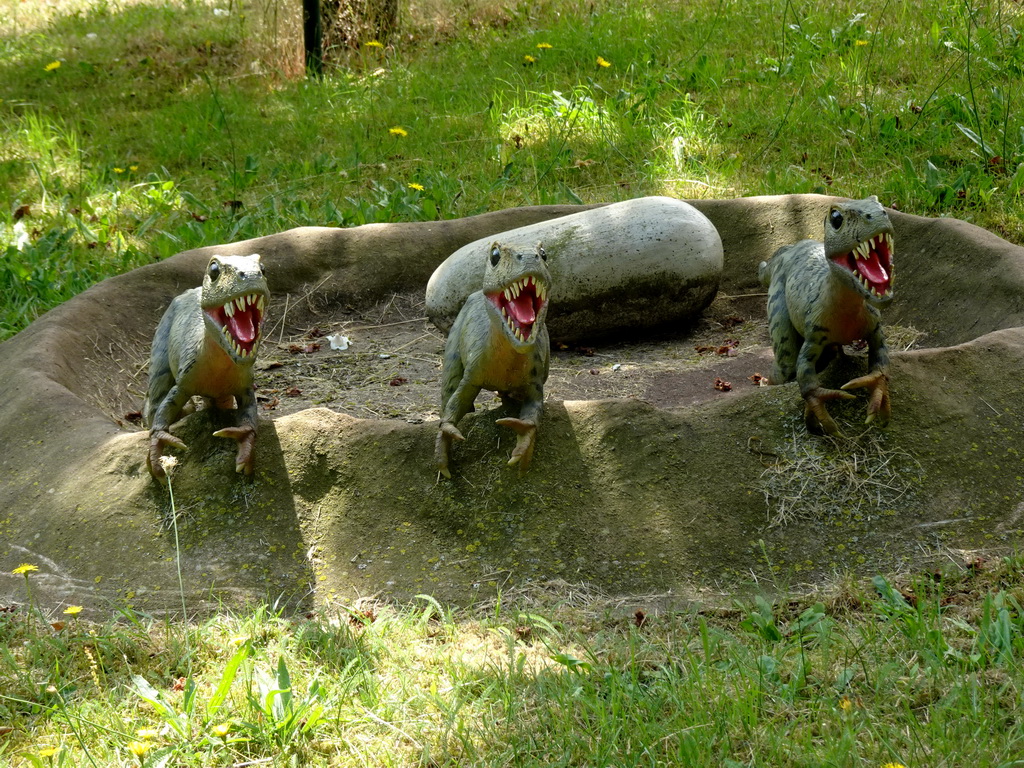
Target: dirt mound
x,y
647,477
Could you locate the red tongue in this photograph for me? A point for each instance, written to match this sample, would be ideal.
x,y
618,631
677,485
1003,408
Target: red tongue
x,y
873,270
242,327
521,308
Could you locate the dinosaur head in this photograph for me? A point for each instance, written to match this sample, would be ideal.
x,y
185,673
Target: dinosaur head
x,y
858,244
234,299
516,285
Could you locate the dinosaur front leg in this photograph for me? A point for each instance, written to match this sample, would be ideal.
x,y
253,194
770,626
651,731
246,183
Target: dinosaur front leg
x,y
159,435
159,439
816,415
877,381
457,405
245,433
525,428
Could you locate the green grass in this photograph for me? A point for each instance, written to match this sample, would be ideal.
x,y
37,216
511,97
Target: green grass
x,y
866,675
166,127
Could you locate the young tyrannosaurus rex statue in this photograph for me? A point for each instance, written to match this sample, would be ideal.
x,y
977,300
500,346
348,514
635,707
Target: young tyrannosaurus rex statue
x,y
824,295
499,342
205,345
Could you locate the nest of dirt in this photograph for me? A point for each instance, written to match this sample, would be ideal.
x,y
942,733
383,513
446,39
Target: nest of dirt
x,y
662,466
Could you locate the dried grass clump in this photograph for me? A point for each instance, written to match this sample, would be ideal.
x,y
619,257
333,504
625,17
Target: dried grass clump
x,y
819,479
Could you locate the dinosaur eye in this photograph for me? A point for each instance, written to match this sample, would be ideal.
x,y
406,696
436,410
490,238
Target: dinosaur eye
x,y
835,218
495,256
542,253
214,270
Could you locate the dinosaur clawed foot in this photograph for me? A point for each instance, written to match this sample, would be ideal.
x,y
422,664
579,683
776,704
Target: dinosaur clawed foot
x,y
246,438
445,435
526,440
816,416
158,441
877,383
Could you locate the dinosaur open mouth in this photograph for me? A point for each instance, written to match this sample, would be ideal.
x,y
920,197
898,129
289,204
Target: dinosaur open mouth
x,y
871,263
520,304
240,320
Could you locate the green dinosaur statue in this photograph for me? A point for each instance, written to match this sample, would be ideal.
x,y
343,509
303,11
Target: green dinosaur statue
x,y
824,295
499,342
205,345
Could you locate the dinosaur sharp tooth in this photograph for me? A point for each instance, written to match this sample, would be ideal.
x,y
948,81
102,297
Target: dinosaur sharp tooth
x,y
508,294
260,303
229,309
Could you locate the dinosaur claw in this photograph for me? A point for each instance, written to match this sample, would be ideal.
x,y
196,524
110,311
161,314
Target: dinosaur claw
x,y
246,438
818,420
452,431
445,435
816,415
878,404
526,440
518,425
158,441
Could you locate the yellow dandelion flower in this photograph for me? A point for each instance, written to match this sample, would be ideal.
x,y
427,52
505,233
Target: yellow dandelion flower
x,y
147,734
52,66
417,187
133,168
528,59
119,170
860,42
603,62
374,44
73,610
221,729
47,752
894,765
398,131
845,704
544,46
25,568
139,748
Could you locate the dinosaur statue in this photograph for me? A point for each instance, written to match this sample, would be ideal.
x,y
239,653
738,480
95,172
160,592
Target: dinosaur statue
x,y
822,295
205,345
499,342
